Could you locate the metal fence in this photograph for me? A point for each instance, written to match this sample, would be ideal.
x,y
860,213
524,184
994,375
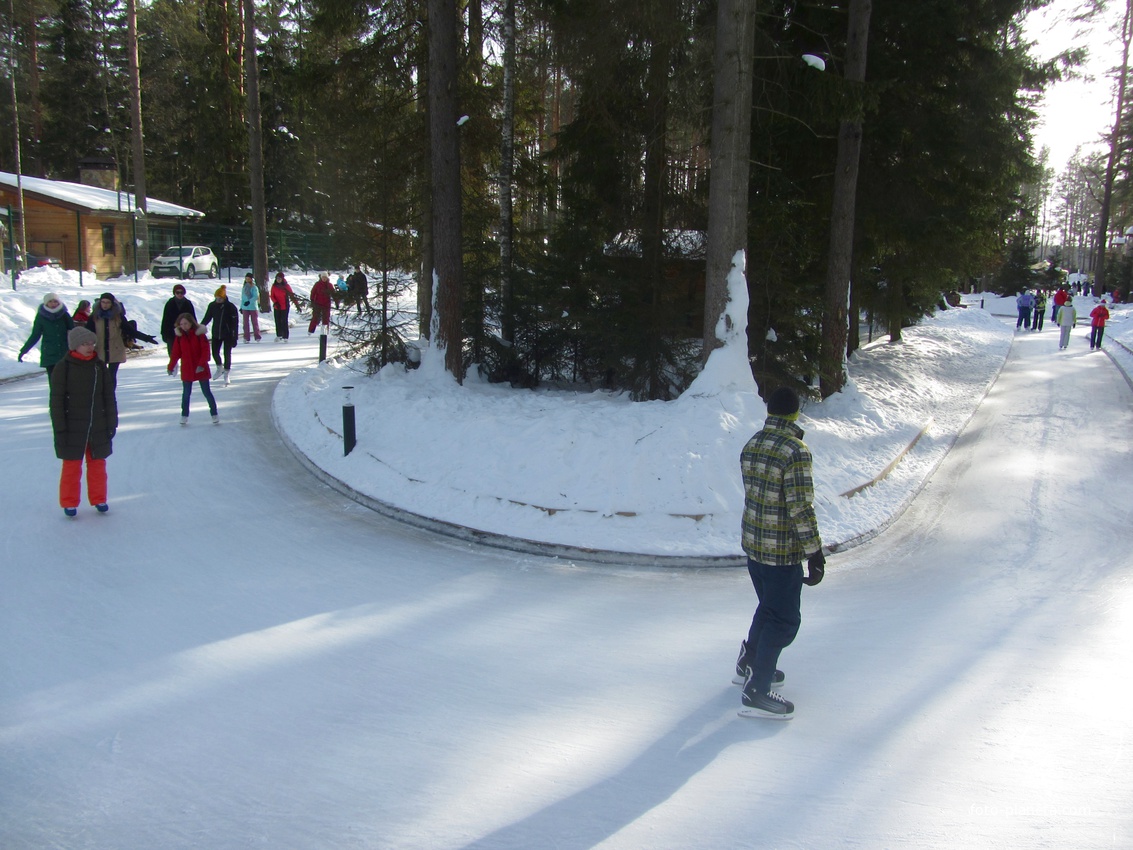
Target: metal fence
x,y
233,245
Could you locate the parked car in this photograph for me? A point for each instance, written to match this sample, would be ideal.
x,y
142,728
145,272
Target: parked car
x,y
34,261
37,261
186,261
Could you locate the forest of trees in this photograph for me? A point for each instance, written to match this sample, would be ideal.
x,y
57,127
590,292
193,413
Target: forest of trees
x,y
584,159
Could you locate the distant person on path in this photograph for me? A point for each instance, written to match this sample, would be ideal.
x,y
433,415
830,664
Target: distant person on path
x,y
282,297
1025,303
1067,320
174,307
358,286
225,319
250,307
780,531
84,419
1060,298
82,312
1040,311
321,300
49,328
108,321
1098,317
191,348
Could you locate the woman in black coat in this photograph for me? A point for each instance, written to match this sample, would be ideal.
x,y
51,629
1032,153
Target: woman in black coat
x,y
225,320
84,417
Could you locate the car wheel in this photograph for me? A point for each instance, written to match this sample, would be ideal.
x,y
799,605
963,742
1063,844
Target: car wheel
x,y
189,272
214,272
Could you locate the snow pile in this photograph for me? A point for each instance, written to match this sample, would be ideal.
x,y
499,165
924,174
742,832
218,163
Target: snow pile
x,y
596,470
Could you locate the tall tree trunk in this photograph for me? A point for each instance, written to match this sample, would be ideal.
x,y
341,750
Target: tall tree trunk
x,y
653,208
832,355
22,236
137,136
255,155
445,146
507,168
731,155
424,190
1114,141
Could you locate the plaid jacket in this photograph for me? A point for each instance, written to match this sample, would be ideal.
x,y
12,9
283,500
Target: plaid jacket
x,y
779,525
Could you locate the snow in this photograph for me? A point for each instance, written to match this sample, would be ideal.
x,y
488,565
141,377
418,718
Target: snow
x,y
237,655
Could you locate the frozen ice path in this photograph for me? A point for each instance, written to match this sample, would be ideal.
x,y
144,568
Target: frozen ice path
x,y
238,657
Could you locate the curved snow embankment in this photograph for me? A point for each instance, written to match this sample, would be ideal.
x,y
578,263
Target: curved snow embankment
x,y
596,476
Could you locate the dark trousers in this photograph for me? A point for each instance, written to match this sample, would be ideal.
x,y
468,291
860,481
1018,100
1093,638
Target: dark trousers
x,y
281,327
1024,318
776,620
1037,321
1096,335
187,390
222,346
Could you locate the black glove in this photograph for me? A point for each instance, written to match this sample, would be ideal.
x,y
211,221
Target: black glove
x,y
816,568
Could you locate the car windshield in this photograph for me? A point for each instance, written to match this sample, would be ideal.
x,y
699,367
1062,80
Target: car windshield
x,y
175,252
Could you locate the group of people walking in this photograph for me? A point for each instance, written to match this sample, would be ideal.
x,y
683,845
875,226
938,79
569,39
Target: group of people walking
x,y
1032,308
81,354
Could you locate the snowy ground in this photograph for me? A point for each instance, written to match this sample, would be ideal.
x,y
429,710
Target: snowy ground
x,y
237,656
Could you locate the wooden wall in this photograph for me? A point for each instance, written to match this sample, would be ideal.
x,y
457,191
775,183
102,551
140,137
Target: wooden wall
x,y
56,231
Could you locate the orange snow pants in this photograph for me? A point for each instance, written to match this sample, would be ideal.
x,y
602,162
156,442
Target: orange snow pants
x,y
71,480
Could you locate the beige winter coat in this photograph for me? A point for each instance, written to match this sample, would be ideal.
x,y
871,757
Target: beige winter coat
x,y
110,346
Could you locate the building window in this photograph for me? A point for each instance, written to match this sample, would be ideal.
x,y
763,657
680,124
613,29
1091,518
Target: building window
x,y
109,246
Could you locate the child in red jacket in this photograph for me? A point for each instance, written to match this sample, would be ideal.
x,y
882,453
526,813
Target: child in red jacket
x,y
191,347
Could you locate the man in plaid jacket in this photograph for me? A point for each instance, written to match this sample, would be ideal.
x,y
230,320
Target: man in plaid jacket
x,y
780,531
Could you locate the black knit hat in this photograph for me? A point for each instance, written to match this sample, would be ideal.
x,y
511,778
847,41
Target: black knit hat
x,y
783,402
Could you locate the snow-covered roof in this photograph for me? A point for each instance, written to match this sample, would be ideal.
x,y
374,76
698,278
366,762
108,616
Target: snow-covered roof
x,y
85,198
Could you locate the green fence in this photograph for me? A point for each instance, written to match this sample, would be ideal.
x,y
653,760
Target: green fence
x,y
233,245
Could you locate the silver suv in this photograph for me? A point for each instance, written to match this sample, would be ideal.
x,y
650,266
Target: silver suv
x,y
186,261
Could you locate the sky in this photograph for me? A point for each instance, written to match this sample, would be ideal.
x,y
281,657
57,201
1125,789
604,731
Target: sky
x,y
1076,112
238,655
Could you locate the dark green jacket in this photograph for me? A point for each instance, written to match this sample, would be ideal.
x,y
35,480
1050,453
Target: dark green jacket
x,y
83,408
50,331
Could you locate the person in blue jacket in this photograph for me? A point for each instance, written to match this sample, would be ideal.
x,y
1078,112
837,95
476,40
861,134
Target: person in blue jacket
x,y
250,306
1026,303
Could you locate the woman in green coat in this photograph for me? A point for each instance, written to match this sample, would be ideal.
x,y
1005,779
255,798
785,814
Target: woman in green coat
x,y
49,329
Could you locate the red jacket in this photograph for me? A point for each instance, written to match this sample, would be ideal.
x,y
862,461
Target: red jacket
x,y
1098,316
280,294
1061,297
321,293
193,351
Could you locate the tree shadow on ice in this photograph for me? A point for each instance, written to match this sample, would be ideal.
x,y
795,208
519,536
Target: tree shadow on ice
x,y
593,814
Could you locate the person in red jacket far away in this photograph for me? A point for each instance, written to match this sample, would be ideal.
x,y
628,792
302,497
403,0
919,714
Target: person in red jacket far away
x,y
1098,318
321,295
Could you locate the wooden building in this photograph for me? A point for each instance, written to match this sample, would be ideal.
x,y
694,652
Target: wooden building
x,y
90,225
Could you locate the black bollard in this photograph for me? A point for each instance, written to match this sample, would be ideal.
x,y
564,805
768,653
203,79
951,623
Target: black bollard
x,y
322,343
349,436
